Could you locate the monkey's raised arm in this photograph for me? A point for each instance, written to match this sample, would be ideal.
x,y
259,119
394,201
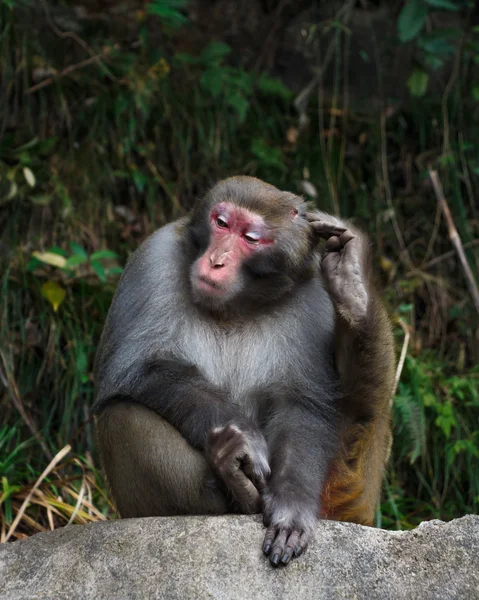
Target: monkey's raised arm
x,y
363,337
365,360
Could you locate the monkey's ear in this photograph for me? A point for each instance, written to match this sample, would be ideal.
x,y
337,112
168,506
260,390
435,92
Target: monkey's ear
x,y
323,225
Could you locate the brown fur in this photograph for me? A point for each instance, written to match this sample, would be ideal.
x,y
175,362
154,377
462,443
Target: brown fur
x,y
366,360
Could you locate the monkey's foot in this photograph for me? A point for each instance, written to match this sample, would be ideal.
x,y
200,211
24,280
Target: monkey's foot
x,y
289,529
344,269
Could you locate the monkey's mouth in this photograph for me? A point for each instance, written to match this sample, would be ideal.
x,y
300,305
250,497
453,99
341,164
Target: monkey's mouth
x,y
207,285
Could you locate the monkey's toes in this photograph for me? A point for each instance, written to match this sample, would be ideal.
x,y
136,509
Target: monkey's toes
x,y
282,543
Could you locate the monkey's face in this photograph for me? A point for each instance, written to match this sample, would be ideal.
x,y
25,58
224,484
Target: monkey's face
x,y
236,236
247,256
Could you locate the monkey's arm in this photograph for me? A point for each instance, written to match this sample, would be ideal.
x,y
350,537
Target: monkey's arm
x,y
206,419
364,343
365,359
178,392
302,443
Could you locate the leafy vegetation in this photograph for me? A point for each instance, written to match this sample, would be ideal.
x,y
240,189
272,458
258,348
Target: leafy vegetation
x,y
111,124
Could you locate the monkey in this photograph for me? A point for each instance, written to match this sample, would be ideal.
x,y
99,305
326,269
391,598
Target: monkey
x,y
245,368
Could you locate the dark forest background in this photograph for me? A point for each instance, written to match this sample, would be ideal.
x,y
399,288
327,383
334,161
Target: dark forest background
x,y
116,115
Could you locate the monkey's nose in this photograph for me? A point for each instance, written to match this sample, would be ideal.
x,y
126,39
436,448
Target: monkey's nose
x,y
217,262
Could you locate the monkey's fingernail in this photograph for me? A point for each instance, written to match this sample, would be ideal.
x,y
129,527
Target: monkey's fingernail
x,y
275,560
286,558
267,548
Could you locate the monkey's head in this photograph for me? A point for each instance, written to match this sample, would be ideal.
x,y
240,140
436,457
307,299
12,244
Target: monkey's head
x,y
248,243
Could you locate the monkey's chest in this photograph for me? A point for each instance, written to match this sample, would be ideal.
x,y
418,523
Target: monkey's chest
x,y
247,361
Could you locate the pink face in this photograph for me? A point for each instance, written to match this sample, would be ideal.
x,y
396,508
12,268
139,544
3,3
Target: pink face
x,y
236,234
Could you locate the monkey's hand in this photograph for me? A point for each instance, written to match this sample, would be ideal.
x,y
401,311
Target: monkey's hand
x,y
344,267
290,526
240,456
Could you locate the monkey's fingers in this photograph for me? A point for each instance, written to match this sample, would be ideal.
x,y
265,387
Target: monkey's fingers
x,y
221,435
335,243
244,492
255,472
324,229
227,455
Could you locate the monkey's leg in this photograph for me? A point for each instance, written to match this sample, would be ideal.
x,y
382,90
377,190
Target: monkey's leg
x,y
366,363
151,468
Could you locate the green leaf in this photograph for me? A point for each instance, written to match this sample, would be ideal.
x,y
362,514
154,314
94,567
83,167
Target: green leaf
x,y
215,52
185,57
411,20
168,11
446,419
33,264
431,61
444,4
99,270
466,446
365,56
140,180
475,93
46,146
240,105
271,157
101,254
79,250
212,81
75,260
273,87
59,251
417,82
54,293
440,45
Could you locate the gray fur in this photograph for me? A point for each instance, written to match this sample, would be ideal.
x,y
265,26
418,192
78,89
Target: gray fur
x,y
240,358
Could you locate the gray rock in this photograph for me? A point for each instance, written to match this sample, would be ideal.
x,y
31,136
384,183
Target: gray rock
x,y
220,557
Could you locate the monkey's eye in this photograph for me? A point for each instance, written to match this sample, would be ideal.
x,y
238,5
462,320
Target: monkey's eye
x,y
221,222
252,237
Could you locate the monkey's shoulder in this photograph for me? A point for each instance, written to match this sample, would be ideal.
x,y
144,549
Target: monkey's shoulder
x,y
159,253
155,263
150,287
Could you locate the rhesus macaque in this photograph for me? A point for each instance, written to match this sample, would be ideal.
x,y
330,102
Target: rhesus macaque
x,y
241,369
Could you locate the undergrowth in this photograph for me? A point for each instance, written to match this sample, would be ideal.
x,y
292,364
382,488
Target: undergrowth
x,y
110,127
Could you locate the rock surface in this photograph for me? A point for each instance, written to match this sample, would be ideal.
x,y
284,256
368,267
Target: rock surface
x,y
220,558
